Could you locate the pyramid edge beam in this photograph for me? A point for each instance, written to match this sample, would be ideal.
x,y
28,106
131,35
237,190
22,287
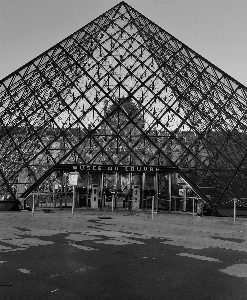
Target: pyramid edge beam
x,y
57,44
184,45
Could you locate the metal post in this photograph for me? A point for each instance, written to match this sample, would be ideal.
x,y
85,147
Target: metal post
x,y
152,207
61,192
49,192
73,203
193,208
234,210
143,189
87,187
130,192
53,196
33,205
157,192
184,200
116,183
112,199
66,191
101,190
170,191
120,185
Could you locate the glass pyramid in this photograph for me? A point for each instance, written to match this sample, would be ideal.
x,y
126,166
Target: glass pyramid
x,y
123,91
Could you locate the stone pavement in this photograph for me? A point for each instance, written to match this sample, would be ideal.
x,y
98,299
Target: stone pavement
x,y
174,256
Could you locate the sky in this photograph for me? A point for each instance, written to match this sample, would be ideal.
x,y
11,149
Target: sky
x,y
216,29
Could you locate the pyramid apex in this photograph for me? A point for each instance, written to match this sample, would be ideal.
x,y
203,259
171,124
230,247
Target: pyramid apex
x,y
123,3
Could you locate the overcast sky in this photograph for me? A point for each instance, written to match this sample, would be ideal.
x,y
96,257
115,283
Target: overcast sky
x,y
216,29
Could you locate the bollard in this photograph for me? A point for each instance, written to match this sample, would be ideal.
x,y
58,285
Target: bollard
x,y
193,204
33,205
152,207
234,210
112,197
73,203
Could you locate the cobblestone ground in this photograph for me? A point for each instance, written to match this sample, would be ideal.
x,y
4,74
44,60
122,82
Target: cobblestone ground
x,y
175,256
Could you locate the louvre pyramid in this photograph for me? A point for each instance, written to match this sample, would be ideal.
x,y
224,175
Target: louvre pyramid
x,y
123,91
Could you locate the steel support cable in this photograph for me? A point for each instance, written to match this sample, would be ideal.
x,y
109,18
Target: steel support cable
x,y
117,105
179,142
124,142
137,142
57,94
232,95
26,118
44,176
66,105
18,149
229,183
225,142
120,63
44,108
190,125
75,146
228,114
148,40
141,16
45,149
199,193
192,104
49,171
6,182
53,47
113,138
193,60
13,141
208,170
143,133
26,139
119,45
71,150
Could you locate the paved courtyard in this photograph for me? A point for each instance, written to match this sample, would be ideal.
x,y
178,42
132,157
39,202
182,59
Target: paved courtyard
x,y
175,256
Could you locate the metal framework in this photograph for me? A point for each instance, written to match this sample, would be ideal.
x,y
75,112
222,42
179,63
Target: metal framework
x,y
123,91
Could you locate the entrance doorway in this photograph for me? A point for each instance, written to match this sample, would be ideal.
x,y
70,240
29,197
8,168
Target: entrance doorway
x,y
132,190
118,187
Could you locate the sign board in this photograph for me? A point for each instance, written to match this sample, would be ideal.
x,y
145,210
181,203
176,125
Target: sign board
x,y
73,178
181,192
114,168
